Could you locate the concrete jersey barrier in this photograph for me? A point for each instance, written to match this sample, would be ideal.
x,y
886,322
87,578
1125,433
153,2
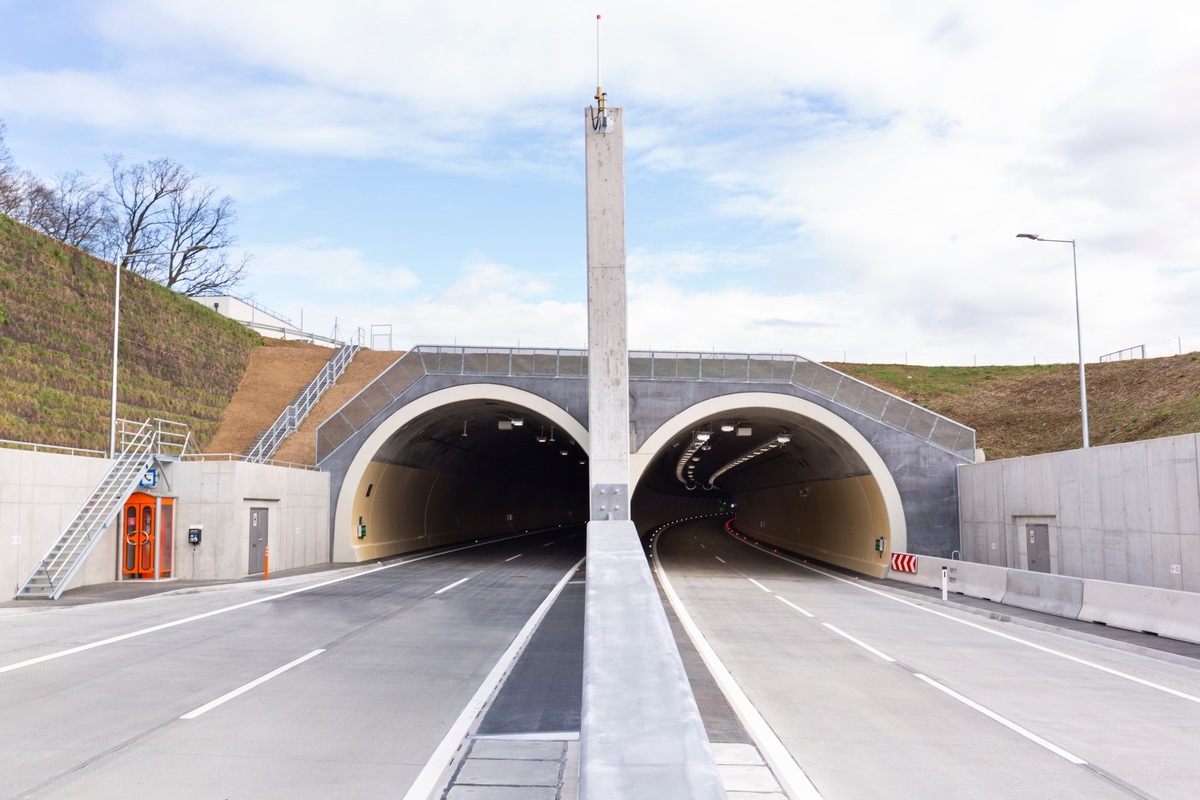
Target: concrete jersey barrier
x,y
1040,591
1166,612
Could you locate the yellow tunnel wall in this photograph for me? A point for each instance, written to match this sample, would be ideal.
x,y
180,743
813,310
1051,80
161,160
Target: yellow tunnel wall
x,y
412,509
838,521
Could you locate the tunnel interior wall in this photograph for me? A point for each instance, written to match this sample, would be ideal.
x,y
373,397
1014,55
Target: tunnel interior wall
x,y
837,521
411,509
651,509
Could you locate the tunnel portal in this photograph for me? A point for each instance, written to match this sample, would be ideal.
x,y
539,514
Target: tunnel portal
x,y
468,459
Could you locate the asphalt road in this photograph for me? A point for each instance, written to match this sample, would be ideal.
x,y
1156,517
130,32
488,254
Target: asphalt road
x,y
879,694
308,689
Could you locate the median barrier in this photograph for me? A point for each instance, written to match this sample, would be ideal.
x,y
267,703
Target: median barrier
x,y
974,580
1041,591
1166,612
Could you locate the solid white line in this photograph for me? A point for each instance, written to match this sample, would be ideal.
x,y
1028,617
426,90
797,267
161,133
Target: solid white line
x,y
451,586
759,585
786,770
859,642
257,682
427,781
1030,735
798,608
154,629
718,558
518,555
1049,650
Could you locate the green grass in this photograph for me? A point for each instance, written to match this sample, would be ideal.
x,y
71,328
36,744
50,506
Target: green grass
x,y
179,360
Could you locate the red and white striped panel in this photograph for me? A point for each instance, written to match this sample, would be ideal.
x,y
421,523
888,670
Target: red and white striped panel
x,y
903,562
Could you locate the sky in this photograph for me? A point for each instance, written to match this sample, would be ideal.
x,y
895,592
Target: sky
x,y
842,181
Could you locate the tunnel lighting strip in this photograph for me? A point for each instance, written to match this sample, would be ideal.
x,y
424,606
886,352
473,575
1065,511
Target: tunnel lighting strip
x,y
699,439
778,440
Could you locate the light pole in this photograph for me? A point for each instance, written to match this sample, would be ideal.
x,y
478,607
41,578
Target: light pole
x,y
120,262
1078,328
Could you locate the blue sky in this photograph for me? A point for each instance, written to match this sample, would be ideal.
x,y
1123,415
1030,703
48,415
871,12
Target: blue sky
x,y
835,180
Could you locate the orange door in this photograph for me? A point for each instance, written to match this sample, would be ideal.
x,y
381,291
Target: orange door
x,y
138,547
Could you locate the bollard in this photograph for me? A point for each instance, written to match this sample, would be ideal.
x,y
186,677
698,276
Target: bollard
x,y
945,582
267,566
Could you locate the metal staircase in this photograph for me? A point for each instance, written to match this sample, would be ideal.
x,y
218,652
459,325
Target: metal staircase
x,y
268,442
142,443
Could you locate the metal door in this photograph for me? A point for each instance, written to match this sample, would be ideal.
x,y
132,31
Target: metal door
x,y
1037,542
137,560
258,540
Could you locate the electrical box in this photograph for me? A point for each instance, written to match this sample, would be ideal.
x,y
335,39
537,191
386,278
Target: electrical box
x,y
362,530
194,534
879,544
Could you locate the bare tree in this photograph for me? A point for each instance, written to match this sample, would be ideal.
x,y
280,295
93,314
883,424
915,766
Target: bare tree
x,y
141,193
75,210
11,179
162,208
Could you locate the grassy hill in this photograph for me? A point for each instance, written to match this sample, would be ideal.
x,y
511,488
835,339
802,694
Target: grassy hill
x,y
179,360
1025,410
182,361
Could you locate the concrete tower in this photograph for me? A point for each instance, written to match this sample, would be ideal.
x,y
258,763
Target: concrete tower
x,y
608,346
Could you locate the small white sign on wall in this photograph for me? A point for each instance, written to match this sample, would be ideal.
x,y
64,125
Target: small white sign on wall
x,y
1176,569
14,540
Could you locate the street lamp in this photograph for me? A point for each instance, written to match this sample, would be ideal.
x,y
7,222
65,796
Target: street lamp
x,y
112,422
1078,328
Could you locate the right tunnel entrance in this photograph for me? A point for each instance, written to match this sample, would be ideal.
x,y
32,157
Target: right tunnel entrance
x,y
793,474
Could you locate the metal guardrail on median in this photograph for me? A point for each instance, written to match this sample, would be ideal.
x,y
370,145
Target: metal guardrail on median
x,y
824,381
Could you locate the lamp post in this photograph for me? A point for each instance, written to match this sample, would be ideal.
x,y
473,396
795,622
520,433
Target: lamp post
x,y
1078,328
120,263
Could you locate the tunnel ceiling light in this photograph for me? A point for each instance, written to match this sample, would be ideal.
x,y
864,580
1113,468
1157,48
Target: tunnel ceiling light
x,y
541,437
765,447
464,433
562,452
728,427
744,430
699,442
518,422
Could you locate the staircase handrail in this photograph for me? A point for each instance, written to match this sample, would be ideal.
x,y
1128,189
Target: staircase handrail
x,y
298,410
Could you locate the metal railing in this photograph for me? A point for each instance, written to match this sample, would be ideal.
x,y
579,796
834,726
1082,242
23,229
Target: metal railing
x,y
837,387
159,436
1137,351
38,447
289,421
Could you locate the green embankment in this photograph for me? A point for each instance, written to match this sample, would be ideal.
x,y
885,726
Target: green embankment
x,y
179,360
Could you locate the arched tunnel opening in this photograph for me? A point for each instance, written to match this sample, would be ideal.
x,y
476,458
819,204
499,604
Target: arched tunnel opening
x,y
496,461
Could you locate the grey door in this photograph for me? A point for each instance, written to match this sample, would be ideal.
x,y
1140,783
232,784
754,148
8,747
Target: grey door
x,y
258,540
1037,543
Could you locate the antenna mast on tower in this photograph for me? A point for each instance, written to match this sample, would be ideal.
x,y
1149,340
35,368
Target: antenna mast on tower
x,y
599,90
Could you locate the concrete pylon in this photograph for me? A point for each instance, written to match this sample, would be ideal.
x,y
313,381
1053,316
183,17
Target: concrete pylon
x,y
608,343
641,734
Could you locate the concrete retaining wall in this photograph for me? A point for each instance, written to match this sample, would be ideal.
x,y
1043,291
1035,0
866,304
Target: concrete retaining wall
x,y
1166,612
41,492
1127,513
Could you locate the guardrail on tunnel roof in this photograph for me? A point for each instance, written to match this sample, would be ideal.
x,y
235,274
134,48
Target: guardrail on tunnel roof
x,y
827,382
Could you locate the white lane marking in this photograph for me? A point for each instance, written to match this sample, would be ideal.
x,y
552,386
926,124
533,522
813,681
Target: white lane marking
x,y
793,605
518,555
718,558
256,682
786,770
427,781
859,642
547,544
1030,735
759,585
154,629
451,586
1049,650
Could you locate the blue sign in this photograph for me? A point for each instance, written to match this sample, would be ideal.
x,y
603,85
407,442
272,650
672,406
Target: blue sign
x,y
150,479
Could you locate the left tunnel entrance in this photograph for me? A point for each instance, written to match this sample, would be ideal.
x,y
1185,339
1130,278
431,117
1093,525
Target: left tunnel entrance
x,y
470,461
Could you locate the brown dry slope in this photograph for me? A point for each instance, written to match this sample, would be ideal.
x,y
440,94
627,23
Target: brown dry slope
x,y
301,446
276,374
